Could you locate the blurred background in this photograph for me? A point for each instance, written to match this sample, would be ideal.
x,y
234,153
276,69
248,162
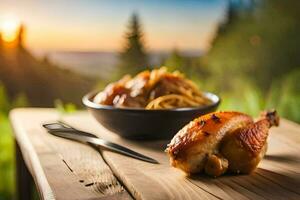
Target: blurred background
x,y
53,52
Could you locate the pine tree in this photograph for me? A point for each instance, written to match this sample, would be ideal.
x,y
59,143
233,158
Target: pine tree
x,y
20,36
133,58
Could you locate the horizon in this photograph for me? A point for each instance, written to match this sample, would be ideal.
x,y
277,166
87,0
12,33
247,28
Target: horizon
x,y
101,25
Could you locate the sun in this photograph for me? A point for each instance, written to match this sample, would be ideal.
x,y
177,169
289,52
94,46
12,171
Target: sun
x,y
9,28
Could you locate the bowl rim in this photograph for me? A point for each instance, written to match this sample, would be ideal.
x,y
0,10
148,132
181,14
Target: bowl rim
x,y
86,100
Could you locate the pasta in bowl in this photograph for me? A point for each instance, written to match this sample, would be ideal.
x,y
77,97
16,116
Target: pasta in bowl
x,y
151,105
156,89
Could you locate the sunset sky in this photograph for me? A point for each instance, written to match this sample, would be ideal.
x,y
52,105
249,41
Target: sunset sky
x,y
100,25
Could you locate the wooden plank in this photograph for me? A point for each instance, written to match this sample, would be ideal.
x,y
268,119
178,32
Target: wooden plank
x,y
62,169
276,178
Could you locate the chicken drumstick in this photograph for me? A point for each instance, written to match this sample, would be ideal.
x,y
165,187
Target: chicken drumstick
x,y
221,141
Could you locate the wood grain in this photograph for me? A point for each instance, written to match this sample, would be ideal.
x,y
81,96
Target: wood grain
x,y
62,169
278,175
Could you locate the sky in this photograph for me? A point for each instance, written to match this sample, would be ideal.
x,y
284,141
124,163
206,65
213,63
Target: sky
x,y
100,25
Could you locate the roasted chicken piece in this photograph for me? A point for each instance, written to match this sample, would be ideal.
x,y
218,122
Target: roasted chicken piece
x,y
124,93
220,142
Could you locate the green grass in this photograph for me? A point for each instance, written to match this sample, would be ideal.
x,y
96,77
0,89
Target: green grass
x,y
7,159
7,154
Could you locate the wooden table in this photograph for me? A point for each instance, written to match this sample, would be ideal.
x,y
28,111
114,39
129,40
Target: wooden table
x,y
64,169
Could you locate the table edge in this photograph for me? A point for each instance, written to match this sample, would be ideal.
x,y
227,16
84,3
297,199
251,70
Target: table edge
x,y
32,162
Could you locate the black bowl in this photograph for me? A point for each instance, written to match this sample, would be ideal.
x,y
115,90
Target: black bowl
x,y
141,124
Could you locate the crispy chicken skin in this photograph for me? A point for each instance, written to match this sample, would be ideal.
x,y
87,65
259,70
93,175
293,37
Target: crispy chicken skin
x,y
220,141
192,145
